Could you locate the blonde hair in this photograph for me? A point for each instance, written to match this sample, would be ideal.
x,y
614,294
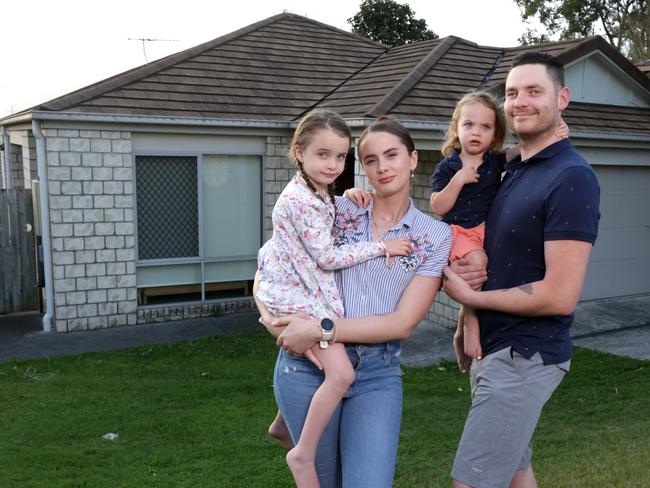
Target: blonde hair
x,y
308,126
489,101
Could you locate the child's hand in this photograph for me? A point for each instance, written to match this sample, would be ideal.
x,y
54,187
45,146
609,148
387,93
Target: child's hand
x,y
361,198
398,247
467,174
562,130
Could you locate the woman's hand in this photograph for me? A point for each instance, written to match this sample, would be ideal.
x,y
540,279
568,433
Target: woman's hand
x,y
562,130
361,198
299,334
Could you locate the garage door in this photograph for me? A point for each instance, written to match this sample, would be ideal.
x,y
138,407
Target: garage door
x,y
620,260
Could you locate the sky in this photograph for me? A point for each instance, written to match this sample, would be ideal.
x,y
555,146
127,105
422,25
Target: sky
x,y
51,48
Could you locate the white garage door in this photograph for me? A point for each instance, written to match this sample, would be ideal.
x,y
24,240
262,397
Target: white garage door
x,y
620,260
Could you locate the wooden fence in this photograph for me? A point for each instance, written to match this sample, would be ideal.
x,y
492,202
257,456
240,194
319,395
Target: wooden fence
x,y
18,276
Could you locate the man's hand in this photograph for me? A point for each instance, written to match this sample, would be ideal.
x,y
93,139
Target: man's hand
x,y
456,287
474,275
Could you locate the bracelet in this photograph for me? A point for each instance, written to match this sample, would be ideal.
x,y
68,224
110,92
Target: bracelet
x,y
383,246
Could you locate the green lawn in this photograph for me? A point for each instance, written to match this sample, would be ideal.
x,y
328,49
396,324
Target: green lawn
x,y
195,415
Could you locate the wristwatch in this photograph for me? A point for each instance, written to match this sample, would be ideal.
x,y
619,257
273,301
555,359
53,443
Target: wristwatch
x,y
327,329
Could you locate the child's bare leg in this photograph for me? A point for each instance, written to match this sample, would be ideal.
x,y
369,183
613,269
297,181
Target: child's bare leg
x,y
339,375
278,430
471,332
464,361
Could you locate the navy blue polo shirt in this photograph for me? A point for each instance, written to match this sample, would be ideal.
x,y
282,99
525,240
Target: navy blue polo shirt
x,y
554,195
474,199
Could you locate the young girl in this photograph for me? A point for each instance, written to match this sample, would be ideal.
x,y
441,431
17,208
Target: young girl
x,y
464,185
295,268
463,188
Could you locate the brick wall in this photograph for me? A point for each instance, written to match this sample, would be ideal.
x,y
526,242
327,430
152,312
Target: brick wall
x,y
21,176
444,310
278,170
93,235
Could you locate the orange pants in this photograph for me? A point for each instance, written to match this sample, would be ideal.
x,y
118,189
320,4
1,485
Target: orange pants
x,y
466,240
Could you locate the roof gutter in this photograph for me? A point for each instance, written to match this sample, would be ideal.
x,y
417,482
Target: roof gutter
x,y
6,145
610,136
153,120
356,122
45,225
409,124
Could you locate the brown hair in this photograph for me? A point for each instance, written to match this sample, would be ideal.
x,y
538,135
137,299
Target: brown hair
x,y
554,68
392,126
489,101
308,126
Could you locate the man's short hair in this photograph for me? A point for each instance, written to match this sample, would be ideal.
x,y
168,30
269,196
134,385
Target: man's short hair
x,y
554,68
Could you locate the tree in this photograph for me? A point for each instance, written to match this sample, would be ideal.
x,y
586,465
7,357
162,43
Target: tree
x,y
625,23
390,23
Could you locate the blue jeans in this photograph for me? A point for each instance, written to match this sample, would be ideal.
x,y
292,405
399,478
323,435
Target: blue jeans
x,y
359,446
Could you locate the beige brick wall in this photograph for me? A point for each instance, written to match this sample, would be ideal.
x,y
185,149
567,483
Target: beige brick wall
x,y
278,170
93,235
444,311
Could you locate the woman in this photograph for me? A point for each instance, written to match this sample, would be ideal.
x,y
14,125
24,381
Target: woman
x,y
384,300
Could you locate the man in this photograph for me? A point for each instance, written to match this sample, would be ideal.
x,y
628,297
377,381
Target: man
x,y
539,234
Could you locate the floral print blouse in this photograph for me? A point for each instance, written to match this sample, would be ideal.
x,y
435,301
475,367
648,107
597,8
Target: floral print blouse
x,y
296,265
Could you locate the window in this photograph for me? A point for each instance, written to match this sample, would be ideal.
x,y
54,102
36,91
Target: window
x,y
199,224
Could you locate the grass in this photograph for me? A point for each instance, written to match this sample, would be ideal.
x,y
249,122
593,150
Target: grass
x,y
195,414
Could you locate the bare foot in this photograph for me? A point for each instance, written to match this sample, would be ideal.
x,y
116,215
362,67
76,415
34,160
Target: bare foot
x,y
472,337
464,361
303,470
278,430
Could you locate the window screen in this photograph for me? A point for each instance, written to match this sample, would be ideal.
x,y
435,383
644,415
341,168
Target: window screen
x,y
167,207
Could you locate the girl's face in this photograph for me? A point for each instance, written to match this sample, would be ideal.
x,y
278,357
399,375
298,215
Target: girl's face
x,y
387,163
323,158
476,128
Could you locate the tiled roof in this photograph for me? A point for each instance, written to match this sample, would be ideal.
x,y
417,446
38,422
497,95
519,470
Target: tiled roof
x,y
607,118
565,52
275,69
282,67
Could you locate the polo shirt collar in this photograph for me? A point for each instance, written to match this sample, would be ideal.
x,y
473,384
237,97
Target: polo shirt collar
x,y
407,220
455,162
549,151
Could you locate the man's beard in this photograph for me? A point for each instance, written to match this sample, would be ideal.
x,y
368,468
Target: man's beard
x,y
540,131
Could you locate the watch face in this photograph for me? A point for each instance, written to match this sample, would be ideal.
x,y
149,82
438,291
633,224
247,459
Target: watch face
x,y
326,324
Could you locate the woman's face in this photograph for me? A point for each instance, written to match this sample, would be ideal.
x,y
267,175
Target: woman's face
x,y
387,163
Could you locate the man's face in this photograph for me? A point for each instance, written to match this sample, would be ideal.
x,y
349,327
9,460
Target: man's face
x,y
533,102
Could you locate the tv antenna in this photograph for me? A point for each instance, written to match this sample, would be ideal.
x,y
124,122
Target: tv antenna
x,y
144,40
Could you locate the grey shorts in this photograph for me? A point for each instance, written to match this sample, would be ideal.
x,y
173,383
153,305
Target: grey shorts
x,y
508,393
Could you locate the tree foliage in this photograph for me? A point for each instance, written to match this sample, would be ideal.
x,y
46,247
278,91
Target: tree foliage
x,y
390,23
625,23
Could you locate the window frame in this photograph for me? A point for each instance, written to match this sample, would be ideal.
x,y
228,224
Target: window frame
x,y
201,260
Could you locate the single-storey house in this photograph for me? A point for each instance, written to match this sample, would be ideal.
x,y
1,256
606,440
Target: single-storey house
x,y
156,185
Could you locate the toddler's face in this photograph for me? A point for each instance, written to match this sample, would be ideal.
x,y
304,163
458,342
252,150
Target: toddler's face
x,y
476,128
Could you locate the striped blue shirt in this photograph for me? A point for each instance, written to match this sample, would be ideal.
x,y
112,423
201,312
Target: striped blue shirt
x,y
372,288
